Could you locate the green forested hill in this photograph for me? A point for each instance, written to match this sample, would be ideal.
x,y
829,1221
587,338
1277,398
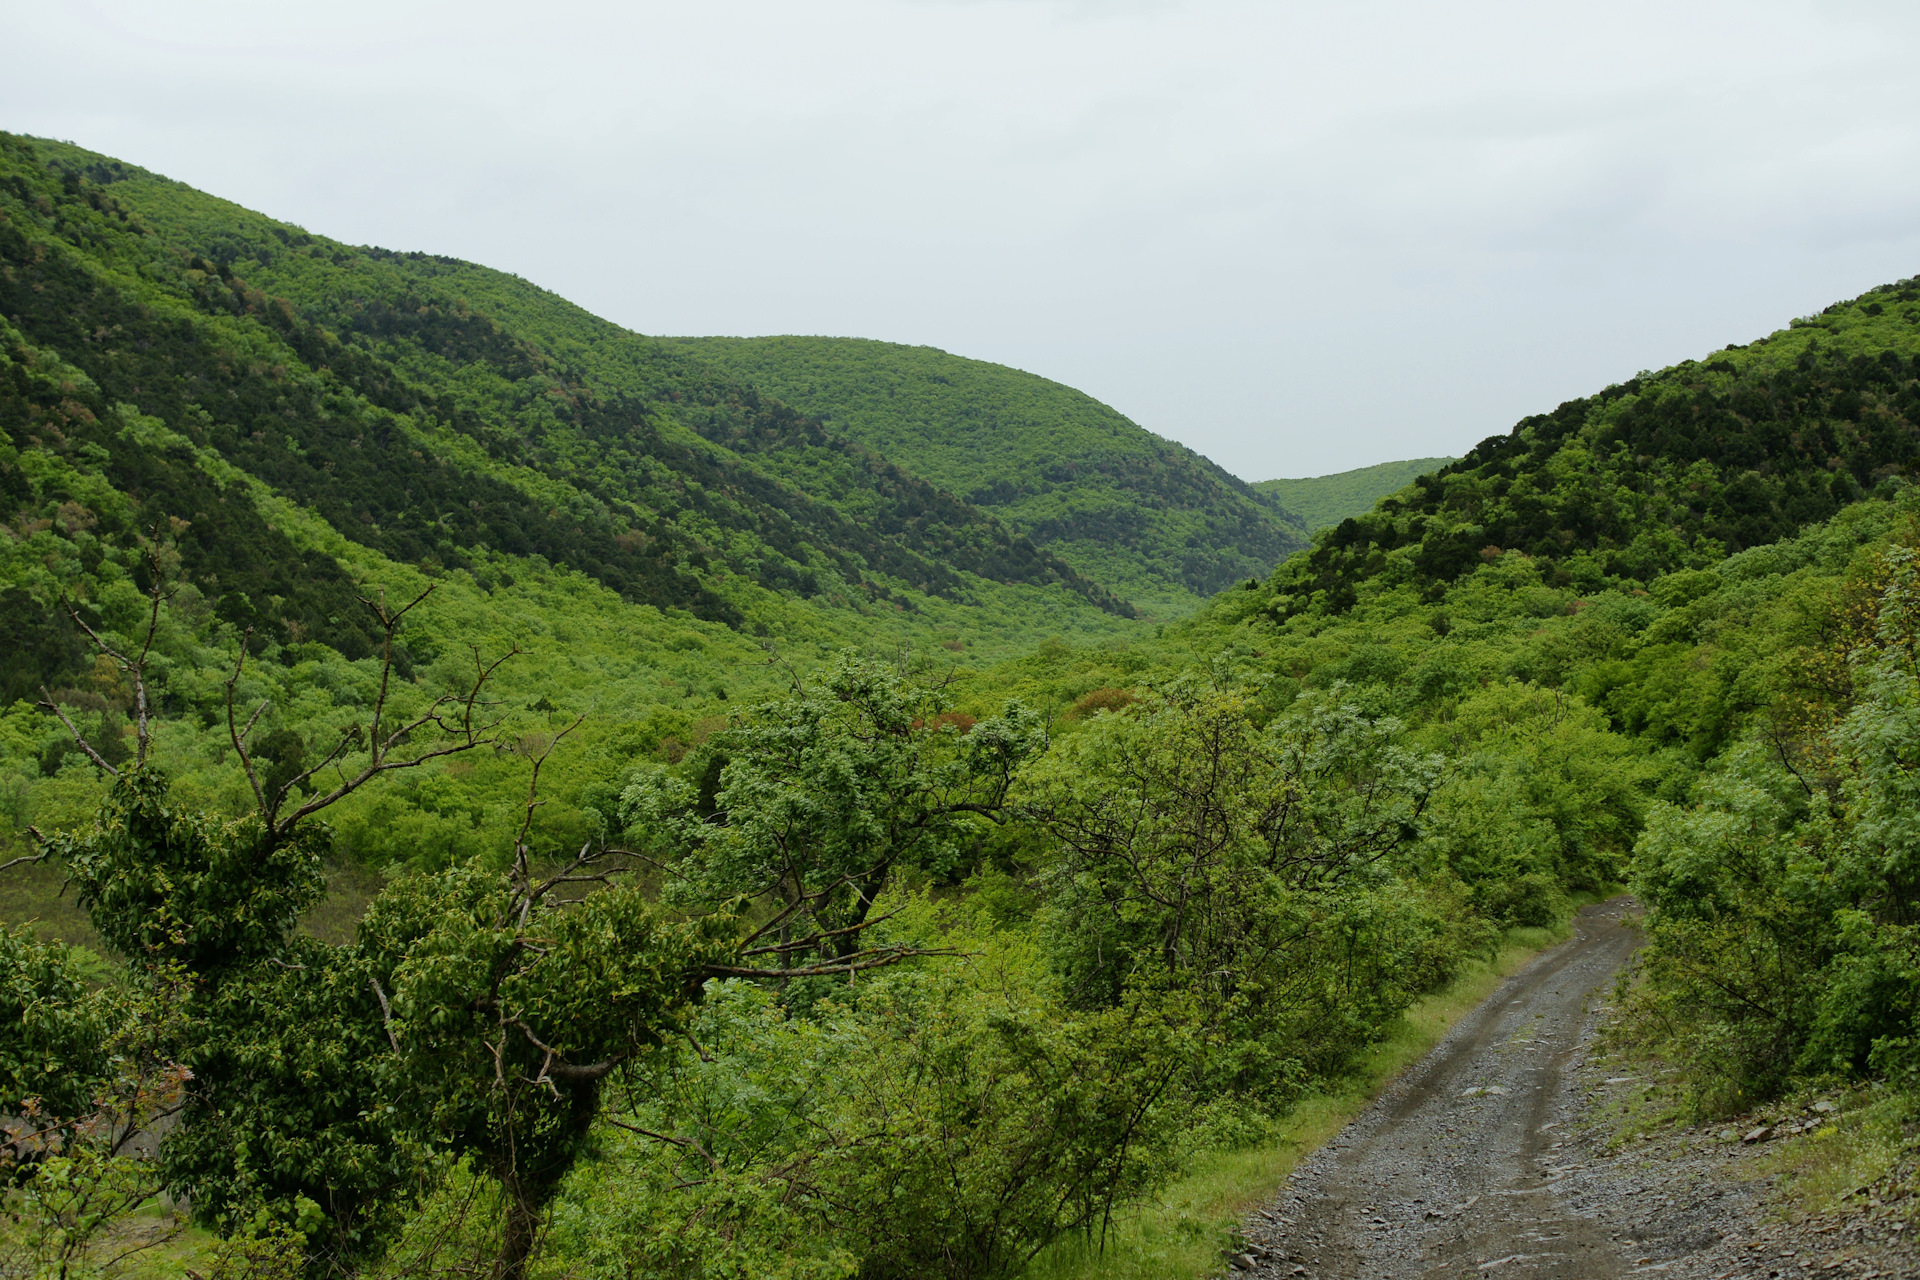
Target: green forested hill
x,y
297,424
429,409
1150,518
1671,470
1324,501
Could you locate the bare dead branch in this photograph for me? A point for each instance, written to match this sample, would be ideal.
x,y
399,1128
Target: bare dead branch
x,y
685,1144
463,733
858,962
386,1014
814,940
556,1067
41,856
521,869
238,738
389,623
79,738
805,901
134,667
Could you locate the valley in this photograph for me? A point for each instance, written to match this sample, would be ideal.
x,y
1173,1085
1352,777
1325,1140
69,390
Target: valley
x,y
551,801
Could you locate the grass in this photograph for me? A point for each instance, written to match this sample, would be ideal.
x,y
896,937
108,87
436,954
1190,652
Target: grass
x,y
1181,1233
31,895
1861,1159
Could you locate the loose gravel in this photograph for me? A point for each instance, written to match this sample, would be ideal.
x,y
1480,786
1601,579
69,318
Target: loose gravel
x,y
1486,1159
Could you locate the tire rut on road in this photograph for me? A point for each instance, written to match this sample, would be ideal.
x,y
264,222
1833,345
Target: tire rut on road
x,y
1454,1170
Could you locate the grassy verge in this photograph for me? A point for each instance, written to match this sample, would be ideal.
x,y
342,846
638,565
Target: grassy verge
x,y
1181,1233
1836,1147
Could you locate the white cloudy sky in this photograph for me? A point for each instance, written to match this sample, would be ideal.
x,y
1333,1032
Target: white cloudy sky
x,y
1299,237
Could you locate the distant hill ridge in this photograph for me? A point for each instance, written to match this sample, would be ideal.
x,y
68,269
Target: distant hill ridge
x,y
1148,517
1324,501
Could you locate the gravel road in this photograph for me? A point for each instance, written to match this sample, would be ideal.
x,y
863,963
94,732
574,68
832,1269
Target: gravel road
x,y
1457,1169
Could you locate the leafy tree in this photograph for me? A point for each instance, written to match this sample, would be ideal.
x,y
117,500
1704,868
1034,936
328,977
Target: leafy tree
x,y
1784,902
821,797
54,1057
1198,851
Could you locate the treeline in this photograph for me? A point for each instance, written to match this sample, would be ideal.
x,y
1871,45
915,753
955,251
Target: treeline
x,y
1324,501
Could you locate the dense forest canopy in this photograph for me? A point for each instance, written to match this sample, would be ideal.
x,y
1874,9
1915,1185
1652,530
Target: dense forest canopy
x,y
1157,522
1671,470
430,410
533,800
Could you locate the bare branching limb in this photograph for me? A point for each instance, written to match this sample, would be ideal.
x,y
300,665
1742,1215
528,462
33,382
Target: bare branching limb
x,y
80,739
135,668
685,1144
814,940
389,624
807,902
386,1014
858,962
522,854
29,858
457,717
556,1067
238,736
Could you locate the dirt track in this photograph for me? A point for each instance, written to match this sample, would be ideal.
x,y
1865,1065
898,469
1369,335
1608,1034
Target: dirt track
x,y
1455,1169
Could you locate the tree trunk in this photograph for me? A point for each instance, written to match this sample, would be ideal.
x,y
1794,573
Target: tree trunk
x,y
518,1232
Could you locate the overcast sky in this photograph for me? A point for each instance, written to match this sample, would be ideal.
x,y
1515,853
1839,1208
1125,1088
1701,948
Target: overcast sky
x,y
1299,238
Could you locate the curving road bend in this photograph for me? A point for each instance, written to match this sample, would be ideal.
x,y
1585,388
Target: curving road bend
x,y
1456,1169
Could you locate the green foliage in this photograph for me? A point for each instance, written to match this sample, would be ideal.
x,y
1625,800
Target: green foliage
x,y
1250,869
430,410
1322,502
79,1197
948,1122
1543,799
1034,930
71,1219
54,1057
1782,900
168,886
1669,471
1147,517
818,800
509,1012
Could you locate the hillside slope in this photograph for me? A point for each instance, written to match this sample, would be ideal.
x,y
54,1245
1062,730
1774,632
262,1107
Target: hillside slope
x,y
433,410
292,426
1324,501
1671,470
1150,518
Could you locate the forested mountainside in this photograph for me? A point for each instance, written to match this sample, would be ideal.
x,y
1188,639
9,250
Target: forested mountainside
x,y
1324,501
1158,523
556,928
436,412
1669,470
